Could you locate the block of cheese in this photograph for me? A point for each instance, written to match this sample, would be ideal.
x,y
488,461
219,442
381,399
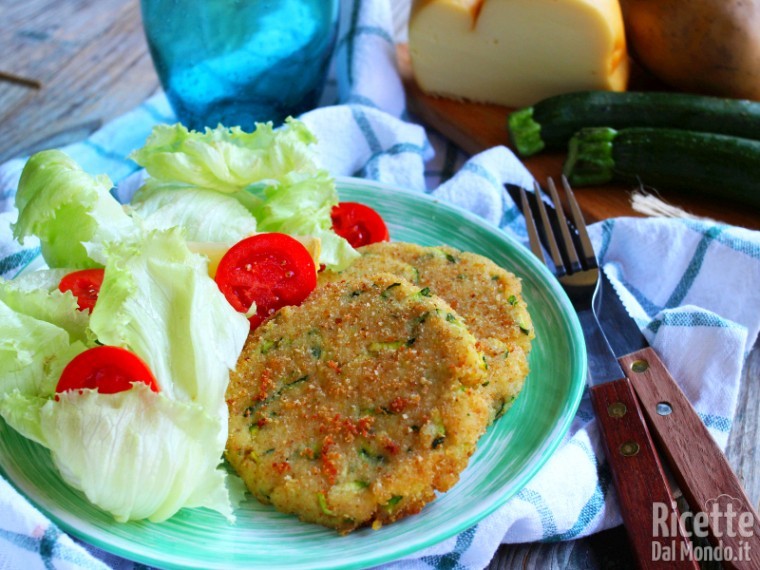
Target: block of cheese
x,y
516,52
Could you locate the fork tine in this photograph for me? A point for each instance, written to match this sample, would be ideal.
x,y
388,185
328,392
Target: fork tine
x,y
567,240
551,241
530,222
587,249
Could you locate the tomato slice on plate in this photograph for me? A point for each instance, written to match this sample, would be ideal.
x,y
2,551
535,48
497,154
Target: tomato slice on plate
x,y
85,285
107,369
358,224
272,270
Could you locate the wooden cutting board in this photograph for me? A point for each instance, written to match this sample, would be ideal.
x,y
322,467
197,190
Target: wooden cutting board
x,y
475,127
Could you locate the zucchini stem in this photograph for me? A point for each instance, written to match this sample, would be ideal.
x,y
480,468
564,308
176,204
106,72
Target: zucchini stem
x,y
589,157
525,132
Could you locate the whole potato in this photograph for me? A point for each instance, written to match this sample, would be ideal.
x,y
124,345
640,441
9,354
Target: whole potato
x,y
703,46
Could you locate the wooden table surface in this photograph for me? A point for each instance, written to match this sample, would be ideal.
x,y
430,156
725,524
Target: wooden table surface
x,y
84,61
69,67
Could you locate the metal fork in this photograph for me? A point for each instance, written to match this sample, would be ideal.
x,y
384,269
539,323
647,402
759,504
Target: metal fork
x,y
574,264
637,472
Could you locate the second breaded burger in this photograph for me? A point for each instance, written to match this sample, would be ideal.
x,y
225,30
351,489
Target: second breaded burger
x,y
487,296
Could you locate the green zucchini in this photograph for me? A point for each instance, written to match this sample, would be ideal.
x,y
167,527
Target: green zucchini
x,y
550,123
667,159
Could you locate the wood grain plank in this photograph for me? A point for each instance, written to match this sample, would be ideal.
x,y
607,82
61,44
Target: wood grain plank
x,y
607,550
42,35
93,62
743,450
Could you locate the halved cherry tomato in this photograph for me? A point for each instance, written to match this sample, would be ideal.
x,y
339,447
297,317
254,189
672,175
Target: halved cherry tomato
x,y
358,224
85,284
272,270
107,369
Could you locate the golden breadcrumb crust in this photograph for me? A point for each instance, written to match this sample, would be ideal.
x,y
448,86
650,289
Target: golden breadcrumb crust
x,y
485,295
355,407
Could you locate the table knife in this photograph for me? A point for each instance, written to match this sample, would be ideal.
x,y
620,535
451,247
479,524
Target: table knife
x,y
699,466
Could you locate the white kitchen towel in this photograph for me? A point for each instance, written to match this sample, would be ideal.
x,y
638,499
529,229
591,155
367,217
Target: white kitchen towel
x,y
691,286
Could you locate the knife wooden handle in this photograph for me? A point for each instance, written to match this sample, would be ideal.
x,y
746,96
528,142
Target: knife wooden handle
x,y
638,476
700,467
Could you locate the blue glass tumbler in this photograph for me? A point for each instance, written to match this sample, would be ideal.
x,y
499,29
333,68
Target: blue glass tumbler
x,y
237,62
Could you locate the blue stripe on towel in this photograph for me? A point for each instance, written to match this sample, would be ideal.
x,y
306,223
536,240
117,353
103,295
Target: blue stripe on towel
x,y
12,264
451,560
156,114
50,548
378,32
718,423
692,270
595,504
608,226
355,30
690,319
482,172
366,129
548,524
349,39
103,152
6,193
19,540
650,308
371,168
752,249
591,509
356,99
508,217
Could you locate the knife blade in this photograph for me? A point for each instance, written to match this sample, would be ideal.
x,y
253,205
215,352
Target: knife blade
x,y
701,469
613,316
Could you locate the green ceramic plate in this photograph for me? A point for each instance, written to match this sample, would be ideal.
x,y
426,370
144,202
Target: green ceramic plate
x,y
508,456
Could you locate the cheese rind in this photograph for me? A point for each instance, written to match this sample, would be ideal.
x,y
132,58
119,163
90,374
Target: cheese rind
x,y
517,52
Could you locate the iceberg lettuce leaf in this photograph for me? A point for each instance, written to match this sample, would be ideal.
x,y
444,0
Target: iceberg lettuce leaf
x,y
273,173
33,353
204,215
72,213
36,295
138,454
227,159
158,300
22,412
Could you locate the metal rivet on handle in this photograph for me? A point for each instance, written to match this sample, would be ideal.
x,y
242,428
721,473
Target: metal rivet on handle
x,y
639,365
617,410
664,409
629,448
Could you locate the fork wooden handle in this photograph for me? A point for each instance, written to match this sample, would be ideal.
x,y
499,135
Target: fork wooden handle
x,y
699,466
642,488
